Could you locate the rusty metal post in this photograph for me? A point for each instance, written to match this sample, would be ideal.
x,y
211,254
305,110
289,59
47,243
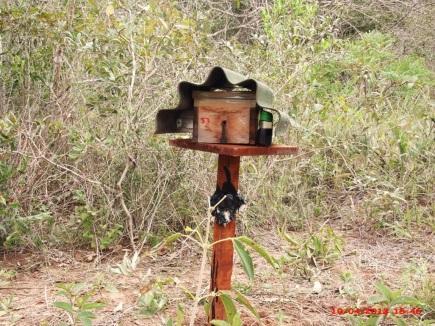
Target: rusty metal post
x,y
222,262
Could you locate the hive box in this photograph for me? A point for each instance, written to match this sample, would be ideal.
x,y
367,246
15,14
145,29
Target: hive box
x,y
225,117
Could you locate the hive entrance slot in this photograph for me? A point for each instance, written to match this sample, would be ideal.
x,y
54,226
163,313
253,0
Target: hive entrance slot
x,y
224,139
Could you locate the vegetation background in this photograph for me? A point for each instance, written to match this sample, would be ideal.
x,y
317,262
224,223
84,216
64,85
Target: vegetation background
x,y
81,82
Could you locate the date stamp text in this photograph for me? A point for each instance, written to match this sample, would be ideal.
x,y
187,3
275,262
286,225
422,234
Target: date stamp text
x,y
376,311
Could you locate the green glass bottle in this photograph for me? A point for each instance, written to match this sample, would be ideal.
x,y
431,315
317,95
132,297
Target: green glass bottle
x,y
265,129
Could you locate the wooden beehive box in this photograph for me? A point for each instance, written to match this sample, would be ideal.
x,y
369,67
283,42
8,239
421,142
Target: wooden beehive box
x,y
225,117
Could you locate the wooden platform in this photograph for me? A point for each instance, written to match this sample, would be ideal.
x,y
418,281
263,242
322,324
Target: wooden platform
x,y
234,150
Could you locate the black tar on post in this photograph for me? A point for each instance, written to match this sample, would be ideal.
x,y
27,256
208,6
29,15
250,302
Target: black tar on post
x,y
227,209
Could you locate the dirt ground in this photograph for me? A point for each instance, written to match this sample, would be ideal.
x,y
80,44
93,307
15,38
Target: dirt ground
x,y
286,299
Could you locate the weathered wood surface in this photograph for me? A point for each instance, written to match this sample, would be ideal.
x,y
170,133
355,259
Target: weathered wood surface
x,y
235,150
229,124
225,117
222,262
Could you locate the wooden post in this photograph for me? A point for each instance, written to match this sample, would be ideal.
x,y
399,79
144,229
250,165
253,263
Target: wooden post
x,y
229,157
222,263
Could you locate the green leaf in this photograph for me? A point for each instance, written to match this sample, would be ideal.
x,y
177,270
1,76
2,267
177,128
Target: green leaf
x,y
169,322
86,317
385,291
64,305
407,301
92,305
230,308
245,259
289,239
78,287
168,241
207,307
65,286
374,321
260,250
179,320
398,321
377,299
187,292
240,298
237,321
152,302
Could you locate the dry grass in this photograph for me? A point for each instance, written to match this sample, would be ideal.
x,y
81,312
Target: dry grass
x,y
366,258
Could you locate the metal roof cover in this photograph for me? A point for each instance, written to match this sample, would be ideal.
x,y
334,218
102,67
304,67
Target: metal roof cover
x,y
180,119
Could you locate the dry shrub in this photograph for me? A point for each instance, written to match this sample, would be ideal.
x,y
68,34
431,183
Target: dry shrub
x,y
81,84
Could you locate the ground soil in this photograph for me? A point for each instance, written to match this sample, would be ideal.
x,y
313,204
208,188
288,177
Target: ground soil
x,y
291,297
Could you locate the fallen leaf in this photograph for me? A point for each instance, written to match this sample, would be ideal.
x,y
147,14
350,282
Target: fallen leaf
x,y
317,288
110,10
119,307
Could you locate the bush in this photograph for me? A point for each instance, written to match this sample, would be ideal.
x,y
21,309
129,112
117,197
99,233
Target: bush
x,y
82,86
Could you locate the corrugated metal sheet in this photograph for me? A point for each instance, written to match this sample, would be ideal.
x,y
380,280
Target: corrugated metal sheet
x,y
180,119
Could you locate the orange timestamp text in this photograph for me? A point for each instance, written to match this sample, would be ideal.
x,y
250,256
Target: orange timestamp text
x,y
376,311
